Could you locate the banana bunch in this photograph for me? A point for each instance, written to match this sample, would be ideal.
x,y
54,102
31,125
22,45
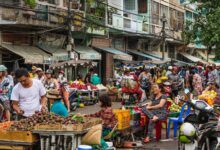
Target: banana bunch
x,y
208,96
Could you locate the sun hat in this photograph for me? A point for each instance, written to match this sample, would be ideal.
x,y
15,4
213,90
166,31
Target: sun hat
x,y
2,68
170,67
39,70
54,94
167,83
34,68
61,71
49,71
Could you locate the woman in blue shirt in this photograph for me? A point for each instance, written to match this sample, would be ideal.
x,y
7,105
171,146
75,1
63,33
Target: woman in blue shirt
x,y
58,107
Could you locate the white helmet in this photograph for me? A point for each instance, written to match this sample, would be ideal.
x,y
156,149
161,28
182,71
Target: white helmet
x,y
170,68
187,133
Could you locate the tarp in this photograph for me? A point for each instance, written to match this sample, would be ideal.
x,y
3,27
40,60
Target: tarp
x,y
87,53
117,53
142,54
192,58
31,54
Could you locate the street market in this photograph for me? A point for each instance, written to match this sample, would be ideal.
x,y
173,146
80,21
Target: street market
x,y
53,125
109,75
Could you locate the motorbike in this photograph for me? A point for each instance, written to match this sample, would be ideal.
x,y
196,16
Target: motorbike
x,y
207,125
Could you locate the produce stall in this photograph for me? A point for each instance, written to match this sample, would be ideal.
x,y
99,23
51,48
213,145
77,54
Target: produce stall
x,y
52,131
87,93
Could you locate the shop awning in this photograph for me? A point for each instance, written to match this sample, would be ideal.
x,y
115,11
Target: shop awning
x,y
117,53
58,54
192,58
87,53
31,54
204,56
142,54
70,63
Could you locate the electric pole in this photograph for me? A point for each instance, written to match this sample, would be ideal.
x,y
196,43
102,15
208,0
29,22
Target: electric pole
x,y
70,45
164,20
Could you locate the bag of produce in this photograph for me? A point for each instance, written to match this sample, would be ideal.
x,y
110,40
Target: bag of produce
x,y
94,135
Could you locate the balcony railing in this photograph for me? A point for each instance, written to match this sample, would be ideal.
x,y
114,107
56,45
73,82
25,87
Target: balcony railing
x,y
41,15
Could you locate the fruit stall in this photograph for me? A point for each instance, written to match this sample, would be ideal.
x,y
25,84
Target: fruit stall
x,y
48,129
86,93
208,96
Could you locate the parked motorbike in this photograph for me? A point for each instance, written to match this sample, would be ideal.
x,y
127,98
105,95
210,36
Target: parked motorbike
x,y
200,128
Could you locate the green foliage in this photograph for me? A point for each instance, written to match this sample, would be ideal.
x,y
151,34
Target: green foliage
x,y
206,26
95,14
31,3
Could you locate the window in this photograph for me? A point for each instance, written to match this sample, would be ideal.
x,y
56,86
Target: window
x,y
180,20
142,6
53,2
164,10
155,13
129,4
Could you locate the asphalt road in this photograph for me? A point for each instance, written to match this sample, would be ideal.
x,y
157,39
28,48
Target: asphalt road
x,y
164,144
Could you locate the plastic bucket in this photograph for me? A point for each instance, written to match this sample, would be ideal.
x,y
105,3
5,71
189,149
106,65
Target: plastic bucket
x,y
84,147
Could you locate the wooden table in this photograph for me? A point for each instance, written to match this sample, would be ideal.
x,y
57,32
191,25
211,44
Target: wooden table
x,y
52,140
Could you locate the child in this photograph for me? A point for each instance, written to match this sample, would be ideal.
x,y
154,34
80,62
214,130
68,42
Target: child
x,y
58,107
106,114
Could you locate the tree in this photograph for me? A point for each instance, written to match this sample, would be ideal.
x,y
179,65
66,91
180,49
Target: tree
x,y
206,26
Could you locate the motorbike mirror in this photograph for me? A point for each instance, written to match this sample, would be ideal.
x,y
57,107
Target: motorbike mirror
x,y
186,91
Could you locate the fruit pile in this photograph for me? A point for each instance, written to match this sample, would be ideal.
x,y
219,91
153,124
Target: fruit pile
x,y
73,120
174,107
28,124
208,96
5,125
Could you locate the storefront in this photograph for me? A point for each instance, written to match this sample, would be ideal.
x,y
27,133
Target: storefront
x,y
24,54
110,57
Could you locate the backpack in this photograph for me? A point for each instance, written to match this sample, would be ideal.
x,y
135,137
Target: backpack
x,y
95,80
145,83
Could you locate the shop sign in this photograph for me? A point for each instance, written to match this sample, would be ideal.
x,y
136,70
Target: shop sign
x,y
91,56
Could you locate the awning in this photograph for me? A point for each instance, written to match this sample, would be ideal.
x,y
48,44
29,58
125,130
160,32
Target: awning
x,y
87,53
31,54
142,54
59,54
72,63
204,56
192,58
117,53
153,55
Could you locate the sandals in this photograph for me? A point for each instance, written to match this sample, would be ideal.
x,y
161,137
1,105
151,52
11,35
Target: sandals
x,y
147,140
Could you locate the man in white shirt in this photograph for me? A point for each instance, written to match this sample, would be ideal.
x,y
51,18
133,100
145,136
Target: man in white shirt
x,y
29,95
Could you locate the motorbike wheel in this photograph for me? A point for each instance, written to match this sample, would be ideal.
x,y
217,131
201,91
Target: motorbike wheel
x,y
213,145
181,146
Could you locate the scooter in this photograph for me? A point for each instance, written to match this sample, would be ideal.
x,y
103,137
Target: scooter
x,y
206,122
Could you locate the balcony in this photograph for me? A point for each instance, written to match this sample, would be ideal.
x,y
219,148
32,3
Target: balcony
x,y
41,16
127,24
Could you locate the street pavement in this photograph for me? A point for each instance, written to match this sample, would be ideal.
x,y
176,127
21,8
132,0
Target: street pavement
x,y
164,144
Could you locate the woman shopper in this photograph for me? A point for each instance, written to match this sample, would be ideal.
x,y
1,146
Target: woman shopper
x,y
4,92
145,80
50,83
155,110
58,107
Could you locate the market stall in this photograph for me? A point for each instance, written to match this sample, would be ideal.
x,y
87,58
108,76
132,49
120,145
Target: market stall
x,y
85,94
73,67
52,131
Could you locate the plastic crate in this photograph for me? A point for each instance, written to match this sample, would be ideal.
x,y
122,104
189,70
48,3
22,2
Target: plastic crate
x,y
123,117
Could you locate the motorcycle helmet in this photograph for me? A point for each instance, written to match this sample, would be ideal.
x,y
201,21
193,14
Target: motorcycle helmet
x,y
187,133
